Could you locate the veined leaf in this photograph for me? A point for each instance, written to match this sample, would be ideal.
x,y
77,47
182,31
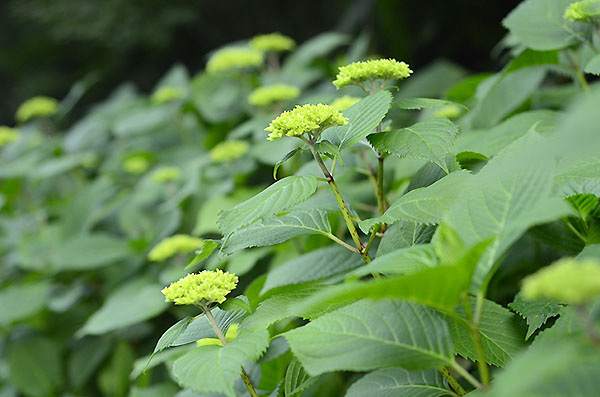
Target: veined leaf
x,y
439,287
214,369
369,335
499,331
535,312
429,140
540,24
277,229
315,265
200,328
423,103
404,234
204,252
510,194
278,197
424,205
363,117
329,149
391,382
593,65
285,158
407,260
296,379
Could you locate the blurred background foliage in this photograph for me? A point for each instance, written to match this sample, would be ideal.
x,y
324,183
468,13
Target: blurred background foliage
x,y
46,46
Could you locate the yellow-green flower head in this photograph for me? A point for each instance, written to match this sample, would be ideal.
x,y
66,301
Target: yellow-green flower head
x,y
166,174
379,69
583,10
234,58
449,111
274,42
305,119
228,150
8,135
206,287
271,94
178,244
39,106
567,280
344,102
167,94
136,165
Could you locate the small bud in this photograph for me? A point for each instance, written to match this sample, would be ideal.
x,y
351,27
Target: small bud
x,y
228,150
269,95
136,164
274,42
585,10
166,174
39,106
206,287
380,69
234,58
567,280
8,135
178,244
166,94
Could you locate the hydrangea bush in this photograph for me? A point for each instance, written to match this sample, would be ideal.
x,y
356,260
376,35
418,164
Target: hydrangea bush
x,y
428,231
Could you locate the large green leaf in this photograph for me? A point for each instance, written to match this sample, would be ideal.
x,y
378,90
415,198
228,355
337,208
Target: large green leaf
x,y
510,194
426,205
88,251
429,140
296,379
499,330
404,234
535,312
363,117
214,369
370,335
21,301
35,367
540,24
408,260
278,197
316,265
390,382
439,287
130,304
422,103
277,229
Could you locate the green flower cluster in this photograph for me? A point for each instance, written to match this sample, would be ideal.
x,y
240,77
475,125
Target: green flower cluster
x,y
166,94
136,164
234,58
344,102
274,42
206,287
228,150
449,111
178,244
8,135
583,10
268,95
166,174
39,106
306,119
567,280
380,69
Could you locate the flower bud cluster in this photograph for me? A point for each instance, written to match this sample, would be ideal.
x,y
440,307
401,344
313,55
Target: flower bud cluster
x,y
206,287
306,119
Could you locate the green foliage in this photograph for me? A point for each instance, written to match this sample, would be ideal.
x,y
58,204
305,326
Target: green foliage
x,y
454,218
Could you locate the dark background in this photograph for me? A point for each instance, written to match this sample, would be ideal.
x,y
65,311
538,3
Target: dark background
x,y
48,45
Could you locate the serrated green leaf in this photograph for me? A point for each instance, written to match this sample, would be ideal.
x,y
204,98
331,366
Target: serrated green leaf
x,y
439,287
363,117
535,312
391,382
204,252
278,197
316,265
499,330
429,140
214,369
426,205
404,261
424,103
296,379
130,304
277,229
369,335
593,65
511,193
585,204
540,24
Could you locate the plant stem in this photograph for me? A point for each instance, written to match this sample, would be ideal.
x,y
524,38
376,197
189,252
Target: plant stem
x,y
340,200
466,375
473,322
452,381
223,340
577,71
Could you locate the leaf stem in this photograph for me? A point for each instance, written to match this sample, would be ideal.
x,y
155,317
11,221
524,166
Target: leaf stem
x,y
577,71
340,200
223,340
466,375
473,324
452,381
